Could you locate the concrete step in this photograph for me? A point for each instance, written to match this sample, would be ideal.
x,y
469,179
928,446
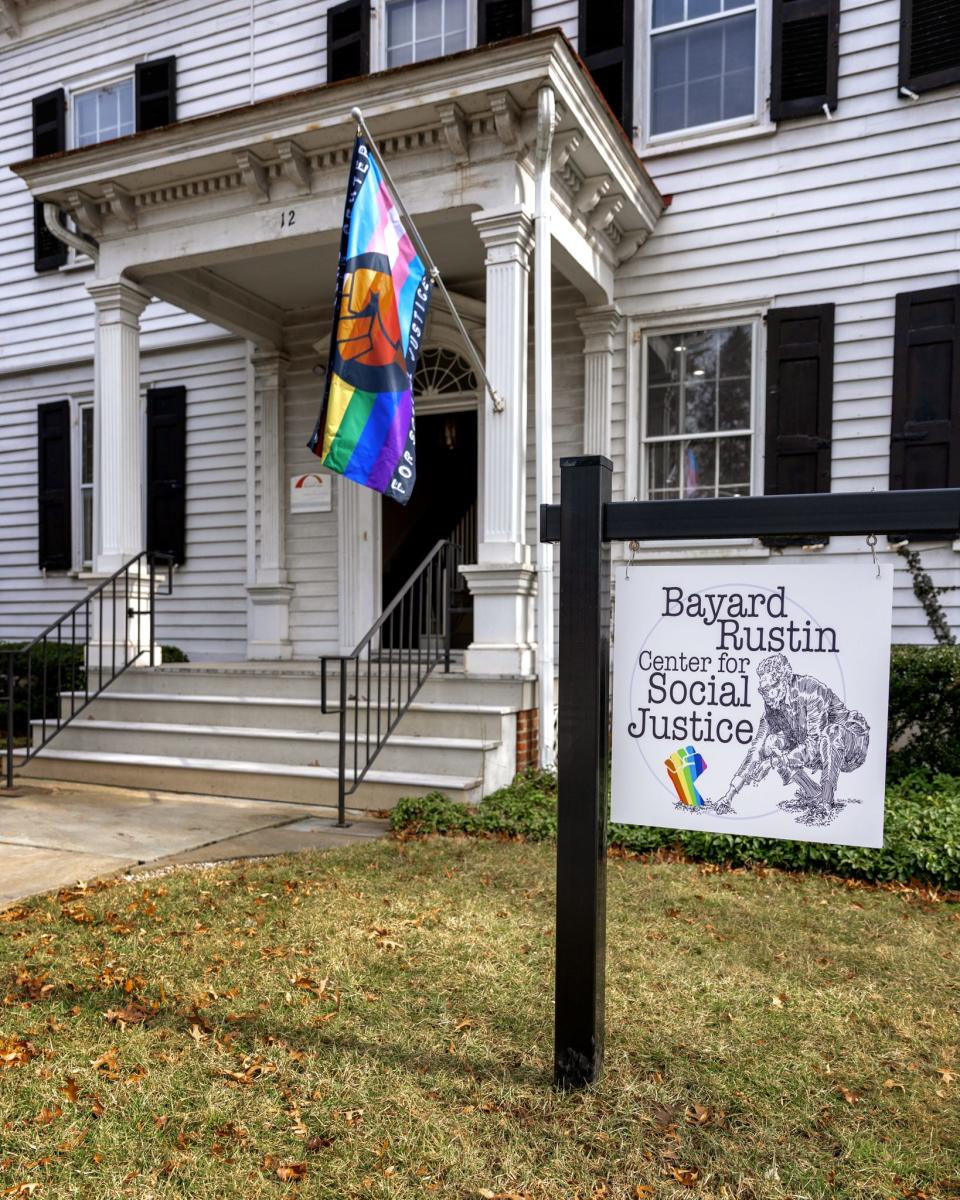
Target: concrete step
x,y
303,682
431,755
488,721
380,789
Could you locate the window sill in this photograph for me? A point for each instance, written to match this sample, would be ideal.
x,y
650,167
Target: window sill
x,y
673,551
695,141
79,263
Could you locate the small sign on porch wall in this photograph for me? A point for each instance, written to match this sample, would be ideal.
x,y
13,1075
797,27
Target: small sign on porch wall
x,y
753,699
310,493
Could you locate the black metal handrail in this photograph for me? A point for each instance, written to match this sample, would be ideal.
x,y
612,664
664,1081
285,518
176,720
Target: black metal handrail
x,y
405,643
77,637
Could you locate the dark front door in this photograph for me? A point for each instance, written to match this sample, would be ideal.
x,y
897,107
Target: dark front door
x,y
443,505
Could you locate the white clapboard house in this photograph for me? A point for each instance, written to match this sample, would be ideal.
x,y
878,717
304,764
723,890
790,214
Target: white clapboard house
x,y
749,220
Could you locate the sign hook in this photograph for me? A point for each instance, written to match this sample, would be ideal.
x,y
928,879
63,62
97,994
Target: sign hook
x,y
872,543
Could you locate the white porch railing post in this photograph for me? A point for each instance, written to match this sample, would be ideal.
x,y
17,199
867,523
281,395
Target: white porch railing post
x,y
503,581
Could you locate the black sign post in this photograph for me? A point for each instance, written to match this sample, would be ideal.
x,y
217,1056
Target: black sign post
x,y
584,523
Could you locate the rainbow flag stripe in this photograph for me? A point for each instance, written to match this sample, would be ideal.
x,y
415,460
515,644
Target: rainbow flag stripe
x,y
366,431
684,767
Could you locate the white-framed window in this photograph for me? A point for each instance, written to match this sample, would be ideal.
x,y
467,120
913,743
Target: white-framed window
x,y
415,30
702,66
85,484
698,410
103,112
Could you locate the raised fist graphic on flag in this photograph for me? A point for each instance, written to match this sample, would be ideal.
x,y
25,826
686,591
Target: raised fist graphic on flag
x,y
369,327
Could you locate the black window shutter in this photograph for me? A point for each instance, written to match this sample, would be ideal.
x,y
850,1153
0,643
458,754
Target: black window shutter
x,y
49,137
348,40
167,471
925,430
805,57
49,123
606,46
53,486
49,252
799,404
156,91
929,44
501,19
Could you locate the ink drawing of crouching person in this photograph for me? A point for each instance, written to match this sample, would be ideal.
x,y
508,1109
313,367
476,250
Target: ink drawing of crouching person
x,y
805,727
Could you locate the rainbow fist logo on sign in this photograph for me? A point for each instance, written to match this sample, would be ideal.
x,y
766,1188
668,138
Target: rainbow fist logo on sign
x,y
685,766
366,426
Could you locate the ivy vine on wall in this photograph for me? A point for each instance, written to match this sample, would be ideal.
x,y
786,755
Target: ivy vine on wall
x,y
927,592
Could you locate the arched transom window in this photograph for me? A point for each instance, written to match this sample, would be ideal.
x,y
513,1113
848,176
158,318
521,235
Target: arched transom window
x,y
443,372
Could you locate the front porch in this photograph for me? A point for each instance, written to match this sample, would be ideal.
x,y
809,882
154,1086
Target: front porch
x,y
236,217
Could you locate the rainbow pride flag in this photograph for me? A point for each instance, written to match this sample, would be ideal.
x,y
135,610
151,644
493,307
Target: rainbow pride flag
x,y
684,767
366,426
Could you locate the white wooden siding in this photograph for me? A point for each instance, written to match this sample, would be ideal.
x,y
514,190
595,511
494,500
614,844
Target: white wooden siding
x,y
311,538
852,211
206,615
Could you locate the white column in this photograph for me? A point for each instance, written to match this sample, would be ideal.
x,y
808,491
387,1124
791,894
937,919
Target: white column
x,y
269,633
119,473
503,581
114,634
599,325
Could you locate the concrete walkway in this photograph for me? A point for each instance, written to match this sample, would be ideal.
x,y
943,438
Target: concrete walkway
x,y
54,834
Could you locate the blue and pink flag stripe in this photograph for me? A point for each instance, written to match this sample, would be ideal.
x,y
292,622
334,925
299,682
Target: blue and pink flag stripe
x,y
366,427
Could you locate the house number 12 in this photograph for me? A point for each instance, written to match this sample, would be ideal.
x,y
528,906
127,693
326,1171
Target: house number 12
x,y
287,217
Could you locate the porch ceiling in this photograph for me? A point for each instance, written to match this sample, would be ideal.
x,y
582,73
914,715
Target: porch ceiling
x,y
204,205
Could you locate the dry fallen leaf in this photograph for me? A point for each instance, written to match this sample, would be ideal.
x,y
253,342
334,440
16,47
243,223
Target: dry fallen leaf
x,y
289,1172
850,1097
889,1084
687,1177
14,1052
641,1191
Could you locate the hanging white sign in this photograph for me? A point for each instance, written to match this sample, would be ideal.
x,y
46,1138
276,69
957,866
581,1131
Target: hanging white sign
x,y
310,493
753,699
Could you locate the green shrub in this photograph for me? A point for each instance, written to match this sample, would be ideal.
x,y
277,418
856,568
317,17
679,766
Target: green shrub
x,y
921,835
172,654
924,709
51,669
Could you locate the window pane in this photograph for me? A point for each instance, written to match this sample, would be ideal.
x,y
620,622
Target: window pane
x,y
734,466
399,56
125,99
699,468
663,359
702,8
734,404
700,406
455,41
86,445
667,12
735,344
663,411
663,471
399,23
702,354
455,16
431,48
86,497
429,18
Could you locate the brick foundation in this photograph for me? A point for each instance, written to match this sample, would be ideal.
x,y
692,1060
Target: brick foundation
x,y
528,739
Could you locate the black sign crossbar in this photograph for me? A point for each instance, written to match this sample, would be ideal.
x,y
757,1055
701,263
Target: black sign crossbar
x,y
822,514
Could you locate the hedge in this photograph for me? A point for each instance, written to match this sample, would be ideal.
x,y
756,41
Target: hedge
x,y
924,728
44,692
921,831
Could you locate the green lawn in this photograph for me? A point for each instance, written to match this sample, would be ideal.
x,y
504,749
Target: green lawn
x,y
377,1023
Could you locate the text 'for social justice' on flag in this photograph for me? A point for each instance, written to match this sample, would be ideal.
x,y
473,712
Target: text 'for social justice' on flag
x,y
366,425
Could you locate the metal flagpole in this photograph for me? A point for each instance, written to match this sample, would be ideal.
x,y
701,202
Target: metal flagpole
x,y
498,404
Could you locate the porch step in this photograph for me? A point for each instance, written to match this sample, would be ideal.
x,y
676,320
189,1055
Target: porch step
x,y
302,681
249,780
267,712
403,753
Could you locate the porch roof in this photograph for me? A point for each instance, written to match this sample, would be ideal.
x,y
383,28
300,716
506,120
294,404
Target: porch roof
x,y
459,133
